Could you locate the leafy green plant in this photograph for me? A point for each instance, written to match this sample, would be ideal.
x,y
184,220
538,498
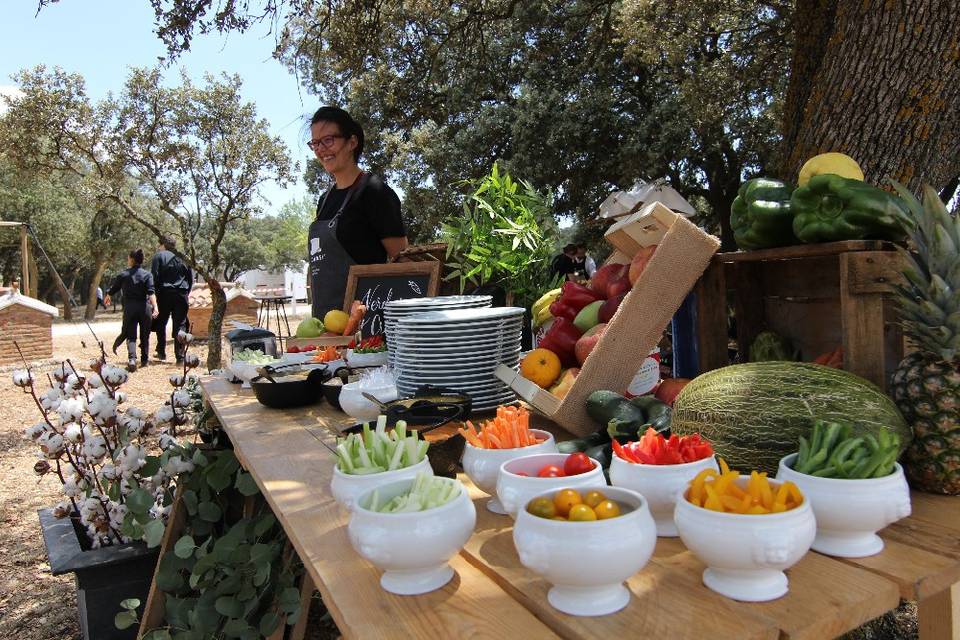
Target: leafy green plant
x,y
231,573
502,238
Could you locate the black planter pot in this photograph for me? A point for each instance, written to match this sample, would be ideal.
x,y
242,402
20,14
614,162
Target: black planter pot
x,y
104,576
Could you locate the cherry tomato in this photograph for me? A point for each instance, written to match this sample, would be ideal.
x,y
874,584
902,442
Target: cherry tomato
x,y
542,508
581,513
561,518
576,464
550,471
521,473
593,498
607,509
565,499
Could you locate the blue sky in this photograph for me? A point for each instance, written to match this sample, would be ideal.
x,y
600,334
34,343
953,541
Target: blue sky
x,y
102,39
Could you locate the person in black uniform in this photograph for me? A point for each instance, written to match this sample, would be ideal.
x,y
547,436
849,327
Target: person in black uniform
x,y
139,306
358,220
173,280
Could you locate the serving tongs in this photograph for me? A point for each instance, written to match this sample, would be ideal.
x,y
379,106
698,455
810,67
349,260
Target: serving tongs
x,y
270,371
422,416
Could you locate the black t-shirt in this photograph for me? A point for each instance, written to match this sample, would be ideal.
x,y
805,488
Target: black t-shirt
x,y
370,216
135,283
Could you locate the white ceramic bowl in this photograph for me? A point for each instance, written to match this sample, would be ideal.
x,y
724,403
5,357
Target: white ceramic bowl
x,y
746,554
660,484
366,359
850,512
412,548
515,491
345,487
358,407
587,562
297,358
483,465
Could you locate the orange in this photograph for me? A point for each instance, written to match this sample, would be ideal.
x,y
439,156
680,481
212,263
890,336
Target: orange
x,y
541,367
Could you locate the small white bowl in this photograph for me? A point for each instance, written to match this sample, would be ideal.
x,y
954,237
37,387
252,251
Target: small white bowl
x,y
746,554
355,405
412,548
297,358
483,465
587,562
345,487
366,359
660,484
515,491
850,512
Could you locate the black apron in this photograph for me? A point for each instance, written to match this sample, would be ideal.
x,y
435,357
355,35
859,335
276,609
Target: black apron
x,y
329,261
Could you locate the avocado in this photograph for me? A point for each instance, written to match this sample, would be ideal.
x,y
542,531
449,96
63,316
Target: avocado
x,y
604,406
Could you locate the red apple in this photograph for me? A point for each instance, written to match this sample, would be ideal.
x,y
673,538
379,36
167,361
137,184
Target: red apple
x,y
669,388
610,307
605,275
639,262
618,286
588,342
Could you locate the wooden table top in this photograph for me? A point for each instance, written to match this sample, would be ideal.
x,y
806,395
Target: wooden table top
x,y
289,453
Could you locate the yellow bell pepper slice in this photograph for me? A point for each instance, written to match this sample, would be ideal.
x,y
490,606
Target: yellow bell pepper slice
x,y
778,507
725,480
766,493
730,504
781,497
724,469
757,510
745,504
793,491
713,501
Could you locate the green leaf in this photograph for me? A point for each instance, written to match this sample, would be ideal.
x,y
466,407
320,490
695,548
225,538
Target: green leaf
x,y
199,459
139,501
218,479
153,533
234,628
184,547
269,623
158,634
125,620
190,500
262,575
260,553
229,606
263,524
151,467
210,512
130,604
246,484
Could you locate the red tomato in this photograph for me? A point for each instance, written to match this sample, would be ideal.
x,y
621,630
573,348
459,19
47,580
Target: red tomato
x,y
576,464
550,471
293,349
521,473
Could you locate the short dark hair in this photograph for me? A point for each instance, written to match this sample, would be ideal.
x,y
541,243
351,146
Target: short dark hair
x,y
345,122
168,243
137,256
569,248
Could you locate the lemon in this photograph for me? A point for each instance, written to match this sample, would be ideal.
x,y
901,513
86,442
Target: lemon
x,y
335,321
837,163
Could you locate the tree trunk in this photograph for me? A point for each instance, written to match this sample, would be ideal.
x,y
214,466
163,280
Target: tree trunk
x,y
65,296
214,340
34,277
99,267
879,81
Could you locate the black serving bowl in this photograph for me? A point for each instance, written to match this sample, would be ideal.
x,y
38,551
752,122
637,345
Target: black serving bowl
x,y
331,391
290,391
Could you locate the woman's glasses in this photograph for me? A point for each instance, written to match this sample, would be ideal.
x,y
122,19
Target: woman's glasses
x,y
323,143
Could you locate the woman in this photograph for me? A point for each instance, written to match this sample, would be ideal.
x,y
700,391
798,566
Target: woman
x,y
137,286
358,220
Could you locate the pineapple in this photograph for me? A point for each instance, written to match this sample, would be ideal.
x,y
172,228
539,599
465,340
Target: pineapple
x,y
926,385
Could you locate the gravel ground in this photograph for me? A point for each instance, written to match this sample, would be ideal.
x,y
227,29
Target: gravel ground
x,y
35,605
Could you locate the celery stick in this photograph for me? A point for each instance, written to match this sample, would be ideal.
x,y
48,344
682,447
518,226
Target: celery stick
x,y
396,461
345,459
374,501
422,447
411,450
381,424
401,429
367,435
364,459
368,470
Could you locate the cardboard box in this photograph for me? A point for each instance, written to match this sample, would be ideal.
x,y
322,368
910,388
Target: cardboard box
x,y
683,253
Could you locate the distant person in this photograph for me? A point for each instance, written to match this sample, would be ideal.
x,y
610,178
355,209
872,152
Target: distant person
x,y
589,265
100,300
563,265
174,281
139,306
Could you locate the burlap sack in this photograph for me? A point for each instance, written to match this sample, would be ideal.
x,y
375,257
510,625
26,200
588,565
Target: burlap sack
x,y
680,259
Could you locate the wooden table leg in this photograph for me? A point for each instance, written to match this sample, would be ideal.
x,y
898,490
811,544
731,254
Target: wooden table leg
x,y
938,617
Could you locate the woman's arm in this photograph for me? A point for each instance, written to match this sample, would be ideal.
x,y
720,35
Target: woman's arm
x,y
394,246
155,310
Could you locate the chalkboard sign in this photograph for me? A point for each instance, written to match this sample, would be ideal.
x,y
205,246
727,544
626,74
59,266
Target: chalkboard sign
x,y
376,284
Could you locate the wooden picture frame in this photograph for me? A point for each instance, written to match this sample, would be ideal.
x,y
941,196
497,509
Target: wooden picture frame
x,y
392,269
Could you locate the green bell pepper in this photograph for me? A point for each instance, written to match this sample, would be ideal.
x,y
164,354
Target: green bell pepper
x,y
761,215
830,207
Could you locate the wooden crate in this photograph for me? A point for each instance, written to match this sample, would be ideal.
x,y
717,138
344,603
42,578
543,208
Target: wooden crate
x,y
819,296
683,252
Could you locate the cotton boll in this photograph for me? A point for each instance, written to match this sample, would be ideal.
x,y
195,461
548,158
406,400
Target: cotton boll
x,y
113,375
51,444
72,409
22,378
35,431
95,448
121,396
132,457
109,471
167,441
135,412
181,399
102,406
72,432
164,414
191,360
51,398
70,488
176,380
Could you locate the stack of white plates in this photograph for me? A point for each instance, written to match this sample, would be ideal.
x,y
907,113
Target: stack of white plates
x,y
396,309
459,350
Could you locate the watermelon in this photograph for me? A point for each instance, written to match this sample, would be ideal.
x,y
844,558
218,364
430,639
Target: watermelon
x,y
754,413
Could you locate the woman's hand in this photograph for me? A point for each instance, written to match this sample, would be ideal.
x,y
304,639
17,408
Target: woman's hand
x,y
106,300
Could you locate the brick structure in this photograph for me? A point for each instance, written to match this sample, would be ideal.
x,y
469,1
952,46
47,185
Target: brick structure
x,y
29,322
241,306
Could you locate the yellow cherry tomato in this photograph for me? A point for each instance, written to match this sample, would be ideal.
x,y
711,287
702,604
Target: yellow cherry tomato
x,y
593,498
607,509
581,513
542,508
565,499
561,518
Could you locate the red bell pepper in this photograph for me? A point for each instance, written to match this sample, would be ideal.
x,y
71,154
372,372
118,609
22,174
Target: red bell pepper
x,y
576,296
560,339
560,310
653,448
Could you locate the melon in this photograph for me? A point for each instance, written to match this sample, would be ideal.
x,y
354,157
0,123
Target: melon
x,y
754,413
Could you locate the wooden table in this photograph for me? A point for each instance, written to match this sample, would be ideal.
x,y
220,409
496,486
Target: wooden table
x,y
492,595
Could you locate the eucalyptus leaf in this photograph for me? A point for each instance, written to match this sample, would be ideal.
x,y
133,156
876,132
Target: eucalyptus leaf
x,y
269,623
218,480
209,511
130,603
125,620
229,606
263,524
153,533
246,484
140,501
184,547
